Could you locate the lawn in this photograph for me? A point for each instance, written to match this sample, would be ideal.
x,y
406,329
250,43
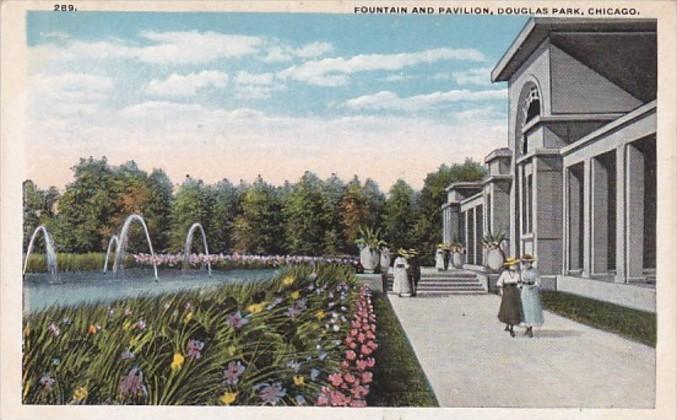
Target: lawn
x,y
281,342
399,380
630,323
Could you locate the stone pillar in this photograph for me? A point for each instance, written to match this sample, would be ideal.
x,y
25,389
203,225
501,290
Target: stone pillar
x,y
468,238
445,224
456,229
600,217
520,200
620,215
587,220
574,219
634,186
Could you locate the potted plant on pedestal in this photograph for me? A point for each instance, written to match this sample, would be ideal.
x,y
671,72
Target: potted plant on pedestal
x,y
493,243
369,244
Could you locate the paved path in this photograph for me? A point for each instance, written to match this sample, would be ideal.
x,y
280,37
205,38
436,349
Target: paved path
x,y
471,362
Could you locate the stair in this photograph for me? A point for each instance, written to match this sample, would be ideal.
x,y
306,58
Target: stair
x,y
451,282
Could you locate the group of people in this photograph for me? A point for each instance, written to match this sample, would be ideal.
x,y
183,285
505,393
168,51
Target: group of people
x,y
520,301
406,273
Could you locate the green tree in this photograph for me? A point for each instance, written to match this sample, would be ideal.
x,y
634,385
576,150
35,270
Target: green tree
x,y
399,216
259,228
191,204
305,220
86,207
38,209
427,231
332,191
226,208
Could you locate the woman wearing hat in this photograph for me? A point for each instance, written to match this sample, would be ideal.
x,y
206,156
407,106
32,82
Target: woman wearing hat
x,y
401,284
532,310
510,311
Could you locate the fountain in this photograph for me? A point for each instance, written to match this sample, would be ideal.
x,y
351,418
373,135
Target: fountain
x,y
189,242
49,251
113,239
118,264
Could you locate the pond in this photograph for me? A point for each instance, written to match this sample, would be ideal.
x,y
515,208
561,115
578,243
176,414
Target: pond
x,y
81,287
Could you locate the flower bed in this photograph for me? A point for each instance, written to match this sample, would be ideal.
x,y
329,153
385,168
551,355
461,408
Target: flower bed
x,y
281,342
240,260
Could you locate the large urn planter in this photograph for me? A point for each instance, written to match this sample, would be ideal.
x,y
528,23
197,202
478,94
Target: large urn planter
x,y
495,259
369,258
457,259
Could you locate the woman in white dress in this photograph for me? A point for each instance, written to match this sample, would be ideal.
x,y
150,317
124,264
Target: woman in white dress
x,y
532,310
439,259
401,284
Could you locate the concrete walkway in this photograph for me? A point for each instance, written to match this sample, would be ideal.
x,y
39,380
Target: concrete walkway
x,y
471,362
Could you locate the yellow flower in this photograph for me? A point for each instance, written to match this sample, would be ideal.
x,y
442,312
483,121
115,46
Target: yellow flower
x,y
127,325
91,329
288,281
177,361
299,380
255,308
188,317
232,350
228,398
320,314
295,294
80,394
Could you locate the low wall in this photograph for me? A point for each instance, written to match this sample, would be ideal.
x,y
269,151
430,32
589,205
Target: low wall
x,y
373,281
630,296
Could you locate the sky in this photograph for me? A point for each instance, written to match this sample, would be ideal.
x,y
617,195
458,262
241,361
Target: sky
x,y
235,95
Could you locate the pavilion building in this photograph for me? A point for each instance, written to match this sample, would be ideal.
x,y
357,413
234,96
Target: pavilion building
x,y
576,186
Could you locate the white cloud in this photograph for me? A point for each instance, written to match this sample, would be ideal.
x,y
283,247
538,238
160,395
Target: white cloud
x,y
213,143
334,71
479,76
68,93
196,47
399,77
246,78
391,100
186,85
279,53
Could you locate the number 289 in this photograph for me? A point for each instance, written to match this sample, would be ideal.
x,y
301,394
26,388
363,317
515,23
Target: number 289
x,y
64,8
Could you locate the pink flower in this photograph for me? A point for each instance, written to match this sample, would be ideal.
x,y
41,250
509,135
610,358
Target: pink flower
x,y
352,345
349,377
370,362
366,351
345,364
322,400
359,391
361,364
361,337
372,345
337,399
367,377
353,332
358,403
350,355
336,379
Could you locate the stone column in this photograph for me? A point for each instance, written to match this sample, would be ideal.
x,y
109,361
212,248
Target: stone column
x,y
634,186
620,214
587,220
600,217
574,219
454,222
468,241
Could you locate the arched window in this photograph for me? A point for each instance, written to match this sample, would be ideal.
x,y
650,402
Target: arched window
x,y
529,107
532,105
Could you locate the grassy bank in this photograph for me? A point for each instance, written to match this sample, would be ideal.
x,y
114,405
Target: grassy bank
x,y
67,262
270,343
399,380
630,323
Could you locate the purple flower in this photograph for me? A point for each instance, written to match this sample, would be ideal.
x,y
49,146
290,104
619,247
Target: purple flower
x,y
233,372
300,400
54,329
194,349
127,312
271,394
127,355
314,374
132,384
294,365
47,382
56,361
236,320
140,325
293,311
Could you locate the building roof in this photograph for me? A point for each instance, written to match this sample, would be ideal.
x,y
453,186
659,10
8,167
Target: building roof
x,y
464,185
538,29
497,153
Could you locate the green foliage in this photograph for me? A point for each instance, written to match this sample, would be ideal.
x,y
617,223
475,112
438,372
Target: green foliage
x,y
633,324
370,237
493,240
305,218
68,262
87,350
226,206
258,228
192,204
399,380
399,215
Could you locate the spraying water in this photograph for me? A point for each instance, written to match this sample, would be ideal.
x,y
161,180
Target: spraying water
x,y
122,244
49,251
189,242
113,240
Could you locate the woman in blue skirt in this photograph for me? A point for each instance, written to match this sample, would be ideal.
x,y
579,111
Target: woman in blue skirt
x,y
532,311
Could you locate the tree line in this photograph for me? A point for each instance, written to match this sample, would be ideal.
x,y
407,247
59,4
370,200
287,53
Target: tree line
x,y
313,216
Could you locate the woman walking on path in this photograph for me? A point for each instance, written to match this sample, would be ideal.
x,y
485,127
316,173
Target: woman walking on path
x,y
510,311
531,302
439,259
401,284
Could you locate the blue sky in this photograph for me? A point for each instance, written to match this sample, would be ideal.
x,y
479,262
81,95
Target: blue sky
x,y
235,95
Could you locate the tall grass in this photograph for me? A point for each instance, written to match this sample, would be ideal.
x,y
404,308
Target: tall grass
x,y
142,350
66,262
